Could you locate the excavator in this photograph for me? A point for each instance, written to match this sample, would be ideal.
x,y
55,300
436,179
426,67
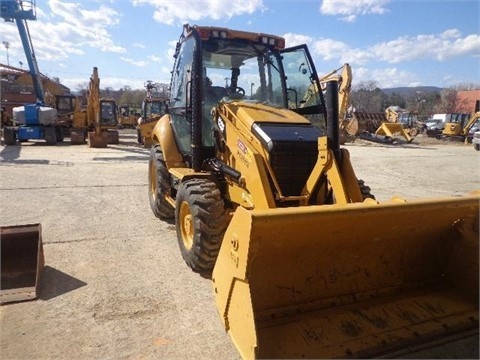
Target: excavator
x,y
353,123
344,80
304,262
98,122
368,125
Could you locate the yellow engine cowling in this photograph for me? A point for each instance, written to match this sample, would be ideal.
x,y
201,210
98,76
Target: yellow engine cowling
x,y
452,129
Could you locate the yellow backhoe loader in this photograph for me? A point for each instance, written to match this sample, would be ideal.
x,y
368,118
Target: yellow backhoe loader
x,y
408,120
389,126
458,126
306,263
99,121
153,108
127,117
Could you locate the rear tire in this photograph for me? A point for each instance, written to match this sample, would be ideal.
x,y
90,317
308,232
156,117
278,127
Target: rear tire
x,y
59,134
201,221
9,136
477,147
50,135
159,185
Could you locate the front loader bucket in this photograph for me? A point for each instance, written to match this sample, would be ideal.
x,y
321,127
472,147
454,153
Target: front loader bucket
x,y
390,129
355,280
22,262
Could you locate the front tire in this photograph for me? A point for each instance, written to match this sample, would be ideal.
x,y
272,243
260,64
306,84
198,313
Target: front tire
x,y
477,147
201,221
159,185
365,190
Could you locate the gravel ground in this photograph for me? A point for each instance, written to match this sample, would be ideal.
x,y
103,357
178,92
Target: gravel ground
x,y
115,285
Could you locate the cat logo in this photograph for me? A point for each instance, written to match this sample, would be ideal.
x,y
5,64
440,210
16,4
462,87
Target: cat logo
x,y
244,152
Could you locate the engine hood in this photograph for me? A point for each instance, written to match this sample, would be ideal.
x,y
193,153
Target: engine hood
x,y
250,112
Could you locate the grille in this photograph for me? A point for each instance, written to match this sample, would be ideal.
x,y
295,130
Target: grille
x,y
292,163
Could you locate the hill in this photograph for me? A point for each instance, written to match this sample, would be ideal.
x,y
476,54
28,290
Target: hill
x,y
405,91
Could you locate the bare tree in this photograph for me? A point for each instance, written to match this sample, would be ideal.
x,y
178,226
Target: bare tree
x,y
82,88
448,101
466,86
367,96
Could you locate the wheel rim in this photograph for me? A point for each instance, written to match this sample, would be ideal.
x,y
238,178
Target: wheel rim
x,y
186,225
153,180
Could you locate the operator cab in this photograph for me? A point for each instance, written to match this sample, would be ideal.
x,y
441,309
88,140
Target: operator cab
x,y
108,113
216,65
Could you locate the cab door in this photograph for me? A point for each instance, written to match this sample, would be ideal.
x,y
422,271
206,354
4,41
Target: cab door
x,y
303,89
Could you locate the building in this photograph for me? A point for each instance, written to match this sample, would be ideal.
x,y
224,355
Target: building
x,y
465,102
16,87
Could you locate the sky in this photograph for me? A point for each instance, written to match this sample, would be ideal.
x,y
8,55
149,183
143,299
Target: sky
x,y
392,42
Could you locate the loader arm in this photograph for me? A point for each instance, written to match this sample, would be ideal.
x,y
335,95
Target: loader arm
x,y
473,119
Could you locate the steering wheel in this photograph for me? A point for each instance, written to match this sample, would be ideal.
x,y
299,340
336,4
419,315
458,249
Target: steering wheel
x,y
238,90
237,94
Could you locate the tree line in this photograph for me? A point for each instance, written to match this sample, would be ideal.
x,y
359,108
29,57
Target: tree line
x,y
126,95
365,96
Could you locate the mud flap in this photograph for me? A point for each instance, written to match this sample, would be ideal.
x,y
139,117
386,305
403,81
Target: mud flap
x,y
22,262
355,280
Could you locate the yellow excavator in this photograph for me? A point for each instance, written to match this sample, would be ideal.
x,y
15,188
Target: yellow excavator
x,y
368,125
98,123
344,81
306,263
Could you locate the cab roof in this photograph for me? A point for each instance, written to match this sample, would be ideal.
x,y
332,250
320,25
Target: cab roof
x,y
210,32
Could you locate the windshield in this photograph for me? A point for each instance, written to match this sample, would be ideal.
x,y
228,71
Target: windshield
x,y
238,69
108,113
155,108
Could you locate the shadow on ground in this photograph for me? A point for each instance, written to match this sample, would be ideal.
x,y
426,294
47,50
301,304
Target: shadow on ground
x,y
54,283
